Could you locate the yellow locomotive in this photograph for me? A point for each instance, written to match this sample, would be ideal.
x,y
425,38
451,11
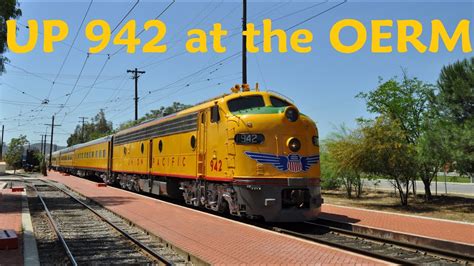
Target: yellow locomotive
x,y
250,153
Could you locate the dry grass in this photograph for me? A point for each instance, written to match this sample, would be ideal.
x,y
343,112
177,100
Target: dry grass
x,y
443,207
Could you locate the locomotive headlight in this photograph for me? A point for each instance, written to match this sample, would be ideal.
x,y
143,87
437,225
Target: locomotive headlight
x,y
315,141
294,144
292,113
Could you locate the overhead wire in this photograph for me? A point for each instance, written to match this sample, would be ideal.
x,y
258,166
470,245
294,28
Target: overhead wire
x,y
70,48
240,52
143,30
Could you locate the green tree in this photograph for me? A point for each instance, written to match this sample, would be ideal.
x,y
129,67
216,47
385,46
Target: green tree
x,y
455,105
407,102
384,151
344,159
15,151
329,178
98,127
8,10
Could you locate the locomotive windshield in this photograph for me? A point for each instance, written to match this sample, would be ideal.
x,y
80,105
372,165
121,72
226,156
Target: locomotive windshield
x,y
277,102
243,103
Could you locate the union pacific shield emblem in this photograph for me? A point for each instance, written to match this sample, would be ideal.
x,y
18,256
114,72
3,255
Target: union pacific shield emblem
x,y
293,163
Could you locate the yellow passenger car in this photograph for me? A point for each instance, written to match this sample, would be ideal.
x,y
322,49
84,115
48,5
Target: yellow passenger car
x,y
92,158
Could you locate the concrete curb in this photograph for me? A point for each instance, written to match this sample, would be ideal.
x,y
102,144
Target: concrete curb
x,y
30,250
422,241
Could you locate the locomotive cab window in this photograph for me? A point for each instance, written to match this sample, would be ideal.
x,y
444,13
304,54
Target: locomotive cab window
x,y
244,103
215,117
277,102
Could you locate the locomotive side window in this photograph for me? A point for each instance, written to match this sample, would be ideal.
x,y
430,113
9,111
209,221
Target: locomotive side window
x,y
160,146
142,148
277,102
215,114
193,142
243,103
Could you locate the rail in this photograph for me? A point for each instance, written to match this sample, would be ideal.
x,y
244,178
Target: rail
x,y
147,249
411,249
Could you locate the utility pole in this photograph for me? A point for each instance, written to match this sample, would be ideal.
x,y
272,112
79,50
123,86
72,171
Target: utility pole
x,y
51,144
82,133
135,77
44,145
1,144
42,139
244,43
43,142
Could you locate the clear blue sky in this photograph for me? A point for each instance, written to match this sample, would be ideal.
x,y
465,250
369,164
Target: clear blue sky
x,y
322,83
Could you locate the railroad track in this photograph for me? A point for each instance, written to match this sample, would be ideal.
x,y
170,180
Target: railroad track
x,y
375,247
88,235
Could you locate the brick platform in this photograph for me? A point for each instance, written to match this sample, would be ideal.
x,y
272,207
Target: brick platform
x,y
416,225
213,239
10,218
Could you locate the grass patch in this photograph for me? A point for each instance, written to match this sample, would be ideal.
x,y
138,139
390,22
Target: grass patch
x,y
443,207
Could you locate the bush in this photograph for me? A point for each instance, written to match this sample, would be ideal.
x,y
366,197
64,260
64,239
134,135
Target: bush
x,y
330,183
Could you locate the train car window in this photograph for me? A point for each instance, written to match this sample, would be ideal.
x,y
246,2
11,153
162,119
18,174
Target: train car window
x,y
105,155
243,103
160,146
142,148
277,102
203,118
193,142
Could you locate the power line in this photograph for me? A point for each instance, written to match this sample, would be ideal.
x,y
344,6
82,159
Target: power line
x,y
143,30
126,15
75,84
90,89
240,52
315,16
70,48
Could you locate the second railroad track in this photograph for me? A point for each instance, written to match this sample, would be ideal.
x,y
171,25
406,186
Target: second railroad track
x,y
88,237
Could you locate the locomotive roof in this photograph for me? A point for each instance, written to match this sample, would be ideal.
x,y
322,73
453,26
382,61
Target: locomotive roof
x,y
197,108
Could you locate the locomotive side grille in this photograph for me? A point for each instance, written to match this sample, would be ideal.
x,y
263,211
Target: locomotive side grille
x,y
179,125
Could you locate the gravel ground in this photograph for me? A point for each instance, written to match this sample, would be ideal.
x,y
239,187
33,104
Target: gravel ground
x,y
97,245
